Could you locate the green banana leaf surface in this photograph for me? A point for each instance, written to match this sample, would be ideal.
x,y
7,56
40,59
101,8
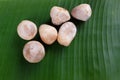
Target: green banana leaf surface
x,y
94,54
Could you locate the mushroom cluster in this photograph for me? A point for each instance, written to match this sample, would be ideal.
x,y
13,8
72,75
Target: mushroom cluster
x,y
34,51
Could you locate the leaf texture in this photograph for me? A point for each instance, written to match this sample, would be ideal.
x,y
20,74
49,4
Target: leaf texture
x,y
94,54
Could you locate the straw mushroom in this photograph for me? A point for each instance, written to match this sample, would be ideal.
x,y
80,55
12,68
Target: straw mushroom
x,y
59,15
27,30
33,51
82,12
47,33
66,33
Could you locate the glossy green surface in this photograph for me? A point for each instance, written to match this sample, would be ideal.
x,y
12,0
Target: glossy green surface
x,y
94,54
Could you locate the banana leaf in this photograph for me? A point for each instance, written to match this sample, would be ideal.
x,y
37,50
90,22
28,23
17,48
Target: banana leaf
x,y
94,54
